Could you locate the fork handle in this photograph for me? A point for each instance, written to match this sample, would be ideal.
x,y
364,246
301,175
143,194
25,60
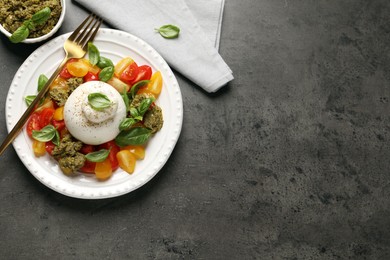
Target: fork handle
x,y
22,121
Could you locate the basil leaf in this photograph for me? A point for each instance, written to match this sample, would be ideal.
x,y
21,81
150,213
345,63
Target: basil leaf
x,y
29,24
56,139
41,16
127,123
29,99
134,112
133,136
93,53
99,101
98,156
20,34
42,80
126,99
23,31
169,31
45,134
134,89
106,73
104,62
144,106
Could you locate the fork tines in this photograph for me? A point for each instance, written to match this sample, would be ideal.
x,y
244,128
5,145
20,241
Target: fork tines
x,y
91,26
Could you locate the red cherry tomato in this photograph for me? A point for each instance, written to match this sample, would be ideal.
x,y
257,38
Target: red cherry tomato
x,y
46,116
87,148
130,73
144,73
112,156
64,72
59,125
88,167
90,77
33,123
49,146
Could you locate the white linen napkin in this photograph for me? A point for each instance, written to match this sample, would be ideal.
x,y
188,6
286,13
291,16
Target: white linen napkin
x,y
194,53
209,15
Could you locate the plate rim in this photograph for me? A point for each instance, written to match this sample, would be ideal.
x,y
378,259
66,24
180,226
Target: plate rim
x,y
103,192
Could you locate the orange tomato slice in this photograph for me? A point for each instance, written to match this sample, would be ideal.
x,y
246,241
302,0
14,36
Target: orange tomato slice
x,y
39,148
103,170
126,160
137,150
155,84
59,114
77,69
92,68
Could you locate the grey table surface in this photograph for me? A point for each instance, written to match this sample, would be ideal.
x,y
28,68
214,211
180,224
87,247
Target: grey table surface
x,y
288,161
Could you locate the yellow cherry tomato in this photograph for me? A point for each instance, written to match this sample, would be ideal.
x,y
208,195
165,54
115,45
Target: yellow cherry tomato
x,y
155,84
122,65
59,83
39,148
137,150
47,103
77,68
126,160
145,91
92,68
59,114
103,170
118,84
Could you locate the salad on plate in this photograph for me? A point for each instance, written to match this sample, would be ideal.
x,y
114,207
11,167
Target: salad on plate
x,y
97,116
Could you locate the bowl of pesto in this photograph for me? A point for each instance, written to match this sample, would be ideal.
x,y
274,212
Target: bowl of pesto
x,y
31,21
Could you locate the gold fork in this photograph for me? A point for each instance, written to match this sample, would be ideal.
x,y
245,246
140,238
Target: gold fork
x,y
75,46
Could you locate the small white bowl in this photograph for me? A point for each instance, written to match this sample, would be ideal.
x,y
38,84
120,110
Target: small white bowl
x,y
46,36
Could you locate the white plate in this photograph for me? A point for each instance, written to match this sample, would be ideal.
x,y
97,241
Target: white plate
x,y
115,45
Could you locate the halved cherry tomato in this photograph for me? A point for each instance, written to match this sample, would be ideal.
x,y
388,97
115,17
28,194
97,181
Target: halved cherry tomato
x,y
64,72
91,68
47,103
49,147
126,160
103,170
88,167
145,90
130,73
118,84
155,84
38,148
59,83
77,69
112,156
59,114
33,123
122,65
46,116
144,73
59,125
137,150
87,148
90,77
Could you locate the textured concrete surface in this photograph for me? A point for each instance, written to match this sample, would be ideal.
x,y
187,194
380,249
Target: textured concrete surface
x,y
290,161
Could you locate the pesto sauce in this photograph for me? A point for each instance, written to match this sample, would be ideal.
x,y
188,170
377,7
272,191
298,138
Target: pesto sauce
x,y
14,12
